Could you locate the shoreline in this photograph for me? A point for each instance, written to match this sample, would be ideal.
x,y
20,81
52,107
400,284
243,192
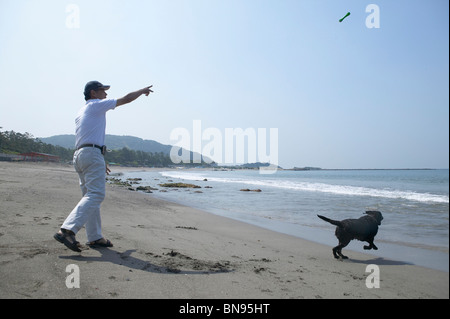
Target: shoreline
x,y
437,255
433,257
143,168
166,250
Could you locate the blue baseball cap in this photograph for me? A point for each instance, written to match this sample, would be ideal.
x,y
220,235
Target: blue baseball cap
x,y
94,85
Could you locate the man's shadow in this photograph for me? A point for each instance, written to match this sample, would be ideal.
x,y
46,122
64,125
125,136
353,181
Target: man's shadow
x,y
125,259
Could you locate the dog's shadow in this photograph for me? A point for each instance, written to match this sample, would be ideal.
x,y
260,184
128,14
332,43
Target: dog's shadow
x,y
127,260
380,261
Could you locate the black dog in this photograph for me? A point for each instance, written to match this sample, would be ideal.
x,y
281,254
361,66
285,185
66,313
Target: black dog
x,y
363,229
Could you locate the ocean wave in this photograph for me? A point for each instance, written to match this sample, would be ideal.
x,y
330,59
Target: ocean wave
x,y
317,187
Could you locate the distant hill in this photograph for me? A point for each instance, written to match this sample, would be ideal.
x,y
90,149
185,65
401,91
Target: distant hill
x,y
67,141
114,142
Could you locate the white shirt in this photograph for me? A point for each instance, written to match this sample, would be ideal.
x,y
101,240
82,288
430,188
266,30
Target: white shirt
x,y
91,122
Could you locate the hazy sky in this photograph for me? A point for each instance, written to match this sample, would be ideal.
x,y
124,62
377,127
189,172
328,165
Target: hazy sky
x,y
342,95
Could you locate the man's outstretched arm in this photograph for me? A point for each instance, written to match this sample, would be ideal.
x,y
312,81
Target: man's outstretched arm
x,y
130,97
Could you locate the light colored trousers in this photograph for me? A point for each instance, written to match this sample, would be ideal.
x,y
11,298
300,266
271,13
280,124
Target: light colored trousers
x,y
91,168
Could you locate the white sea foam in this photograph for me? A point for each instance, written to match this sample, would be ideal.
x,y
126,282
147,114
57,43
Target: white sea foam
x,y
315,187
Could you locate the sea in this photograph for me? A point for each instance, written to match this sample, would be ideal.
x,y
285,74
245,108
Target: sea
x,y
414,204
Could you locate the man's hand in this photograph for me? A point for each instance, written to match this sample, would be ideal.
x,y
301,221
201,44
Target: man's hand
x,y
147,90
107,170
130,97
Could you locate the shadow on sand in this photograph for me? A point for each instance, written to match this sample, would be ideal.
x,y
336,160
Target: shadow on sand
x,y
381,262
170,263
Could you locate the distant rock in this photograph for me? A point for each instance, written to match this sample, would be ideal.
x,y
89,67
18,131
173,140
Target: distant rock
x,y
306,169
251,190
146,189
179,185
117,182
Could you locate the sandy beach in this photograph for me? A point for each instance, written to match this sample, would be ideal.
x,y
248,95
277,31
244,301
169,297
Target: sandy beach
x,y
165,250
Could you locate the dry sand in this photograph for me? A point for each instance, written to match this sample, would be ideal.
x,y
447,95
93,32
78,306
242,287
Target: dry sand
x,y
165,250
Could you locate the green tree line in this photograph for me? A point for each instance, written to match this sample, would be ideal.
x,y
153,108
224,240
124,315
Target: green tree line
x,y
16,143
128,157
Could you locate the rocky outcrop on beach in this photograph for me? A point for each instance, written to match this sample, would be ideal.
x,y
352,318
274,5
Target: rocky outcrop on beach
x,y
130,184
179,185
146,189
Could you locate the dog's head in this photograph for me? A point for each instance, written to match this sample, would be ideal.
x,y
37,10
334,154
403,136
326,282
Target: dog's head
x,y
375,214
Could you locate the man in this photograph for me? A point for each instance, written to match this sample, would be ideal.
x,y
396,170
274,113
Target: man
x,y
90,165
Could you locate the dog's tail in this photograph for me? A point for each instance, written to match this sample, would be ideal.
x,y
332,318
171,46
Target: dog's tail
x,y
334,222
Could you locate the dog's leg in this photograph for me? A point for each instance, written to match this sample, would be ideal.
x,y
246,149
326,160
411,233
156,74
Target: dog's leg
x,y
371,245
340,254
344,238
337,251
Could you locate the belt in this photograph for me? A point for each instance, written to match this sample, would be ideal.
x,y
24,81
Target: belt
x,y
101,148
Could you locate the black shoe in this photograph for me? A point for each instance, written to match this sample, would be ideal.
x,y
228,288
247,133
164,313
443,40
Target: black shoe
x,y
68,239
